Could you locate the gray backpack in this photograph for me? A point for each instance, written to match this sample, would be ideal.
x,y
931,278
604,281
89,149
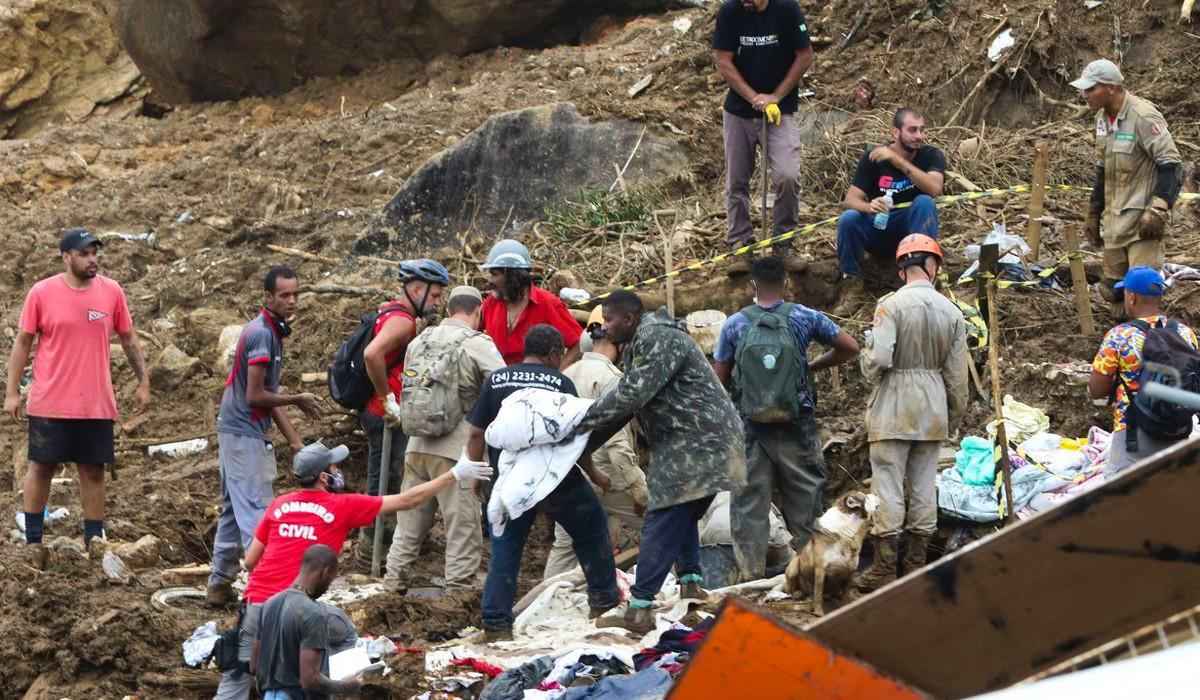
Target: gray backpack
x,y
429,404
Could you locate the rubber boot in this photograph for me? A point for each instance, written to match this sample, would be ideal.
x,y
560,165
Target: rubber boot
x,y
220,595
852,294
497,634
916,552
35,556
881,572
594,612
689,588
639,620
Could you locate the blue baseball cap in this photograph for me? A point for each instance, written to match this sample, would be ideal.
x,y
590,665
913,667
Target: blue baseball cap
x,y
1143,280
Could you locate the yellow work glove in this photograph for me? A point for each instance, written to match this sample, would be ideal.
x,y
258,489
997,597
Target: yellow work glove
x,y
774,116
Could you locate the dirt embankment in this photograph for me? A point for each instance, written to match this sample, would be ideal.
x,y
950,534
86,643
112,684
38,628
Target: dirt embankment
x,y
311,169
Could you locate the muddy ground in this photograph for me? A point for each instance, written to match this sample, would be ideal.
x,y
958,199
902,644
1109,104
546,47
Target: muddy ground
x,y
218,183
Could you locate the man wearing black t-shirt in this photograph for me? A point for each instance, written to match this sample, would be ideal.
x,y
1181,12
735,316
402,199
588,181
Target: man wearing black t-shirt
x,y
762,49
572,504
912,172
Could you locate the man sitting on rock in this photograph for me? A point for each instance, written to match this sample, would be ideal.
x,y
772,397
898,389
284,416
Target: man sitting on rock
x,y
905,171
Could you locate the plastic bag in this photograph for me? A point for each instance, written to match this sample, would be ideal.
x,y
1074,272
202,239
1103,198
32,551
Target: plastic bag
x,y
974,461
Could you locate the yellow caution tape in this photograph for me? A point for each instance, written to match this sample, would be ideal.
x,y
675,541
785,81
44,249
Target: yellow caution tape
x,y
809,228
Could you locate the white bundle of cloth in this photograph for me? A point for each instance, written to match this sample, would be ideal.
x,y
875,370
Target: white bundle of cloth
x,y
532,431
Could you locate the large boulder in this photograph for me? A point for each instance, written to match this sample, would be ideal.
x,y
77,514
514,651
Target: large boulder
x,y
59,61
510,168
226,49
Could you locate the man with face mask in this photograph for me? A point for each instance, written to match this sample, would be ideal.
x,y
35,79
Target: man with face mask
x,y
518,305
252,400
316,513
422,283
905,171
1138,177
70,405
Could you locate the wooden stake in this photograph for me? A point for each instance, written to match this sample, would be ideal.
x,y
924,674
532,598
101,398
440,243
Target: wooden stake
x,y
1037,197
669,257
998,397
762,149
1083,303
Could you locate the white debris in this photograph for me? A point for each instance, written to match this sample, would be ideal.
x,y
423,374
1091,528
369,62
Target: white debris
x,y
1001,44
682,25
199,647
175,450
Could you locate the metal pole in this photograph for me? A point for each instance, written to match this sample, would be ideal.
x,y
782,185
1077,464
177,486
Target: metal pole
x,y
385,466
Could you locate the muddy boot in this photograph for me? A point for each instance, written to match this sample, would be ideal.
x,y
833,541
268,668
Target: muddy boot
x,y
220,595
35,556
917,550
689,588
636,620
852,294
497,634
881,572
594,612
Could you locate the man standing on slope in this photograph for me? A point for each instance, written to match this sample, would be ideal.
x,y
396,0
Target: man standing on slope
x,y
71,406
252,400
762,49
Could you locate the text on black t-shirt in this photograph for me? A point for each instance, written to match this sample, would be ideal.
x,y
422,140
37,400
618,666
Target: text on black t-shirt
x,y
508,381
874,178
764,46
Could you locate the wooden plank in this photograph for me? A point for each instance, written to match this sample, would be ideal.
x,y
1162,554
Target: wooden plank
x,y
1095,568
1083,302
1037,198
750,654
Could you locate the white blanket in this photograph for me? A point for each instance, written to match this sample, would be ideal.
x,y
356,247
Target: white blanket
x,y
530,429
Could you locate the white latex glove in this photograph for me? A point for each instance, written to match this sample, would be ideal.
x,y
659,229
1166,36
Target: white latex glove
x,y
391,408
468,469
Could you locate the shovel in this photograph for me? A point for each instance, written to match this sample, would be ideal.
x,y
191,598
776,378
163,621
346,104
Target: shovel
x,y
385,466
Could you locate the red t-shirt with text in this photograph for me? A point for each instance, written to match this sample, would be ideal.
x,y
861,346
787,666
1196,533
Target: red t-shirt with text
x,y
294,522
543,307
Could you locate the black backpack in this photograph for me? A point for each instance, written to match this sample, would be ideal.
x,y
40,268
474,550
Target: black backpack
x,y
1164,346
349,384
225,650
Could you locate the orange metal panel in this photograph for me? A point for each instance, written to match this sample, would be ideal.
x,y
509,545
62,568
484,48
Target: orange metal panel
x,y
749,654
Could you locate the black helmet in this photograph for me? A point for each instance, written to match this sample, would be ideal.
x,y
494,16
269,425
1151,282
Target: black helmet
x,y
425,270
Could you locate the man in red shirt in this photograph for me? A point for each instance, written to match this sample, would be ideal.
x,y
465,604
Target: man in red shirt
x,y
517,305
422,283
317,513
70,405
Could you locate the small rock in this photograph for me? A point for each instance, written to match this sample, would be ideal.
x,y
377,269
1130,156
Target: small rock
x,y
641,85
682,25
185,218
226,344
577,72
968,148
262,115
172,368
141,554
220,223
115,569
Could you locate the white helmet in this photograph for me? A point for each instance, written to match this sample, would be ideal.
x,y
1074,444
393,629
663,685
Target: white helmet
x,y
508,254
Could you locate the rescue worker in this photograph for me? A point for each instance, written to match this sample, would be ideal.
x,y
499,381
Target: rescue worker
x,y
625,496
761,349
475,358
917,352
695,437
422,283
1138,177
518,305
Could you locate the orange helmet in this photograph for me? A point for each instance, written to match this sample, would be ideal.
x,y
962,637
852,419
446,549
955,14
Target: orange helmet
x,y
918,243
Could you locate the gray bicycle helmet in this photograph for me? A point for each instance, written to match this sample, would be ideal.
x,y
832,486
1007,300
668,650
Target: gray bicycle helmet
x,y
508,254
426,270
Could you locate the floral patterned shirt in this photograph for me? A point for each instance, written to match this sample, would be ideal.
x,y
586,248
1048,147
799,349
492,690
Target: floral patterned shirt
x,y
1121,351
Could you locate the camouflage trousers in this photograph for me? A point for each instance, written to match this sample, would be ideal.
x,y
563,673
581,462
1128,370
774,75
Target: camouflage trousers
x,y
784,463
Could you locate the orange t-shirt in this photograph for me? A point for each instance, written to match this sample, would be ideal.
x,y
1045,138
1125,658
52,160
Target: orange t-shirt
x,y
71,375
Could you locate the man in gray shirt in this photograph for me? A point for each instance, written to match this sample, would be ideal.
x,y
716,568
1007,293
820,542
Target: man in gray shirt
x,y
252,400
293,636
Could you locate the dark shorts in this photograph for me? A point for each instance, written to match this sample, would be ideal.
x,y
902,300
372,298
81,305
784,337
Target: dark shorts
x,y
58,440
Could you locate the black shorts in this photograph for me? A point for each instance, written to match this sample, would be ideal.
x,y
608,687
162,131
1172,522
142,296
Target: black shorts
x,y
58,440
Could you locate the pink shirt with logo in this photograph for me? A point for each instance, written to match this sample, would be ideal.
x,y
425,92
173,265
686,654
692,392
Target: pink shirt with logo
x,y
71,374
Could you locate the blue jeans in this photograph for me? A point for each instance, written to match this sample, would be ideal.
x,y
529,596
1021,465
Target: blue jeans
x,y
574,506
670,537
857,234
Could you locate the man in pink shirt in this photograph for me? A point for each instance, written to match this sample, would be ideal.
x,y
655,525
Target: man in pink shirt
x,y
70,405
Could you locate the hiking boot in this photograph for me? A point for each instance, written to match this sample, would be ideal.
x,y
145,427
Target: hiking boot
x,y
916,552
96,547
35,556
220,595
594,612
881,572
636,620
692,591
497,634
852,294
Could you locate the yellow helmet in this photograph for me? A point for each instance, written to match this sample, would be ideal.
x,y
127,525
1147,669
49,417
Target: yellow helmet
x,y
596,317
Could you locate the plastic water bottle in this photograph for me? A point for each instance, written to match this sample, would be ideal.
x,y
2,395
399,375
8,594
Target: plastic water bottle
x,y
881,219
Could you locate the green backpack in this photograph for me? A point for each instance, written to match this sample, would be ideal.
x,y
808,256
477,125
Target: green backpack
x,y
769,371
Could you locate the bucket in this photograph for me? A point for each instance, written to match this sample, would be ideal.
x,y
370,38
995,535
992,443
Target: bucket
x,y
705,327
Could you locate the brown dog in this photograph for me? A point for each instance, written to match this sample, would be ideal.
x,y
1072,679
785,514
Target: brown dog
x,y
831,555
